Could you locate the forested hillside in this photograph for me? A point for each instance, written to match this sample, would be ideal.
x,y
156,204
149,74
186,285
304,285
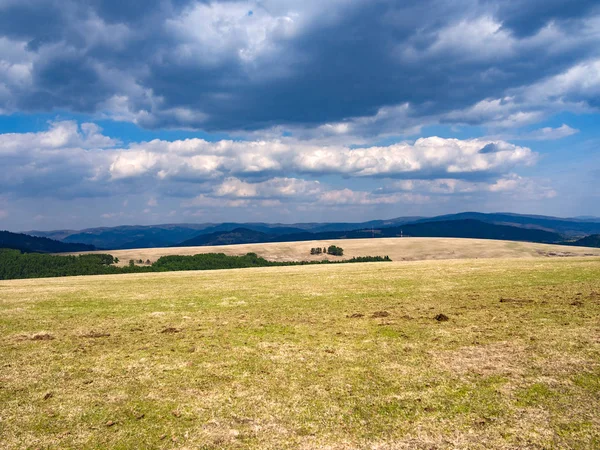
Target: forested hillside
x,y
27,243
588,241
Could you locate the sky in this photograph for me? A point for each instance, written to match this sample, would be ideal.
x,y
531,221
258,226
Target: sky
x,y
168,111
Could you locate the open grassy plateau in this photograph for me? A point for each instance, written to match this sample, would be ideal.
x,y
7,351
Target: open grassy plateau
x,y
399,249
334,356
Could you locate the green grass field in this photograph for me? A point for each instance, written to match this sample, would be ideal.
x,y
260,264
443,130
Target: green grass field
x,y
336,357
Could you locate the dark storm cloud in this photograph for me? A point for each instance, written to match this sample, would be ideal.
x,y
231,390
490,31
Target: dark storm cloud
x,y
38,21
66,82
173,63
527,17
128,11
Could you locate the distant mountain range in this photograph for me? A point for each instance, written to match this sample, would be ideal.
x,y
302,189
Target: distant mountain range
x,y
570,228
507,226
168,235
30,244
467,228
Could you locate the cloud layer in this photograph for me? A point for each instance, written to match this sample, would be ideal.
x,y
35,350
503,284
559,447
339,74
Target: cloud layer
x,y
311,106
72,161
239,65
196,159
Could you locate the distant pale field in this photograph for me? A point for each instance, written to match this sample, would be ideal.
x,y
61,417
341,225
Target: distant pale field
x,y
398,249
337,357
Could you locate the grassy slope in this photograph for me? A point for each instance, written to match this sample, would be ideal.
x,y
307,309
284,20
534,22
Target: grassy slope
x,y
267,358
397,248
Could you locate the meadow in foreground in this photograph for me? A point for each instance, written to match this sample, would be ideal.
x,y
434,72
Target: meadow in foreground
x,y
348,356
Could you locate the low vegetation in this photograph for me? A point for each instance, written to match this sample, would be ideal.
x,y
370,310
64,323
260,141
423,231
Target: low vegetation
x,y
477,354
15,265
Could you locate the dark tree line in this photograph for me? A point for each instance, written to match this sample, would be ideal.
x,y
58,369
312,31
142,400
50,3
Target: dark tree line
x,y
14,264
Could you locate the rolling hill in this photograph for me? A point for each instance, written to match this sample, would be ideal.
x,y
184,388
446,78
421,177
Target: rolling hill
x,y
467,228
236,236
398,249
30,244
569,227
588,241
125,237
141,236
470,228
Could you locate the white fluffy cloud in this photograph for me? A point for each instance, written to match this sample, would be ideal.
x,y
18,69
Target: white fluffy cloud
x,y
71,161
511,184
61,135
209,33
348,197
273,188
574,85
196,158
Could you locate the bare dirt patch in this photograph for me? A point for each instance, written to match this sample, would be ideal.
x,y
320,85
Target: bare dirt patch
x,y
442,318
95,335
514,300
42,337
171,330
380,314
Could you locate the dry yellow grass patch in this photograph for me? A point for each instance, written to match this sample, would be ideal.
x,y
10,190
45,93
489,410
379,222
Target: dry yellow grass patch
x,y
398,249
497,358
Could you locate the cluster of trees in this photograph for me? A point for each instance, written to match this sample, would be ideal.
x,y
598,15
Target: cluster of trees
x,y
335,250
331,250
14,264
